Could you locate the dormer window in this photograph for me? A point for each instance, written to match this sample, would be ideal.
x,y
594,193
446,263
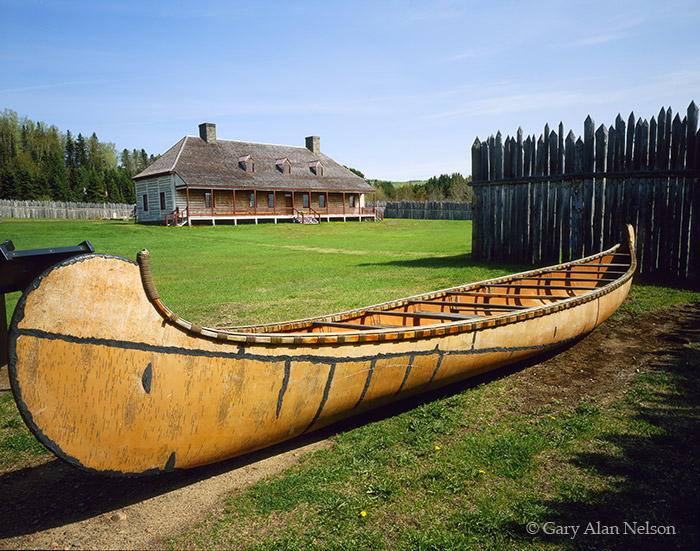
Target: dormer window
x,y
284,166
316,167
247,163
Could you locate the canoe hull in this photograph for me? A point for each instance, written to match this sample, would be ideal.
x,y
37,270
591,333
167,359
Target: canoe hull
x,y
108,385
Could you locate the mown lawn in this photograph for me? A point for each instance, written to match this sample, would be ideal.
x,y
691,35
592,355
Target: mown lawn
x,y
266,273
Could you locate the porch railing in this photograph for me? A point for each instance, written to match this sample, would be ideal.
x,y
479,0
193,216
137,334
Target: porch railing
x,y
177,217
228,210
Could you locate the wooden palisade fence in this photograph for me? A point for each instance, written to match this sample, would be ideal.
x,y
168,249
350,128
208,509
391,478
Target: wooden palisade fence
x,y
10,208
560,198
426,210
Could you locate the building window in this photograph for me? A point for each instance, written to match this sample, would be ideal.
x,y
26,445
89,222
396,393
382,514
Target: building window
x,y
162,200
316,167
271,200
284,166
207,200
145,202
251,199
305,200
352,201
247,163
322,201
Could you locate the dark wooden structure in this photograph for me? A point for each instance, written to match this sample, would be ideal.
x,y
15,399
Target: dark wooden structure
x,y
555,198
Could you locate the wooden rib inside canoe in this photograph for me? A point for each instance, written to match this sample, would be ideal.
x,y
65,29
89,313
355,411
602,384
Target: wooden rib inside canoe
x,y
113,381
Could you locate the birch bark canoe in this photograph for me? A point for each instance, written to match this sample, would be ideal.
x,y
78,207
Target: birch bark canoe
x,y
112,381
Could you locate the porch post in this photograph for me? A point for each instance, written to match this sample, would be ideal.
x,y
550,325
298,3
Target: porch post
x,y
234,201
189,214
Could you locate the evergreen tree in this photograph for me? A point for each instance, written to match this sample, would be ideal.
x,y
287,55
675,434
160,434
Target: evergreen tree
x,y
125,160
126,185
79,182
59,188
81,153
96,187
93,152
70,150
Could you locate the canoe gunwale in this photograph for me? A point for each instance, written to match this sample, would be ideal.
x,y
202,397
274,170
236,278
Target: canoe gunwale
x,y
277,334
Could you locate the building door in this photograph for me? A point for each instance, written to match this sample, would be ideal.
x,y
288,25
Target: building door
x,y
288,203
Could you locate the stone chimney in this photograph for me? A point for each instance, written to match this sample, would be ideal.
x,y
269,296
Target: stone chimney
x,y
207,131
313,144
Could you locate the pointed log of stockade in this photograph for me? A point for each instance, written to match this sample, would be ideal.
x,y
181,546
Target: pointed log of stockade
x,y
111,380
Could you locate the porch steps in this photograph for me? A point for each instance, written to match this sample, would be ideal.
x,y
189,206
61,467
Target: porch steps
x,y
307,219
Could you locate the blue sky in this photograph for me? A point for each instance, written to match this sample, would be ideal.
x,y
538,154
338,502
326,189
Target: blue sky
x,y
398,89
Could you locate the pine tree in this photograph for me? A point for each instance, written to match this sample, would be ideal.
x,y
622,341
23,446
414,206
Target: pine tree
x,y
81,153
125,160
70,150
93,152
57,177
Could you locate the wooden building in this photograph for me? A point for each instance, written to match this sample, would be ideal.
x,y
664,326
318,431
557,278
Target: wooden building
x,y
208,179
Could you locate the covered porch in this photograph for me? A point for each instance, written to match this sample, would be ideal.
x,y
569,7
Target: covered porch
x,y
210,205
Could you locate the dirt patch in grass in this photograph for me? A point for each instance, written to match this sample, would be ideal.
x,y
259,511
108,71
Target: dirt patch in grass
x,y
49,505
603,364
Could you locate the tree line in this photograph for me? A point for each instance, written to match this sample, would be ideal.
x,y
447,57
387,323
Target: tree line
x,y
38,162
446,187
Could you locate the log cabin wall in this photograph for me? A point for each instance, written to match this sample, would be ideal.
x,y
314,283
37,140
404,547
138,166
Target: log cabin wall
x,y
149,200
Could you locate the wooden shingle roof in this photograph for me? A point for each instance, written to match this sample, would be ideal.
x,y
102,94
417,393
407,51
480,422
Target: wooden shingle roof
x,y
216,165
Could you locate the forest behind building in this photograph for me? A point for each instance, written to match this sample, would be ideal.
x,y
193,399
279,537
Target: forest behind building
x,y
40,162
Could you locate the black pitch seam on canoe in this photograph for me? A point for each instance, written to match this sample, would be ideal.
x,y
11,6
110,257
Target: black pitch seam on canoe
x,y
56,449
326,391
241,355
437,367
367,382
405,377
283,389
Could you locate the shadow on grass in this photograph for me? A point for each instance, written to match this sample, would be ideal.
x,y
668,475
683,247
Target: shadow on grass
x,y
655,503
454,261
56,494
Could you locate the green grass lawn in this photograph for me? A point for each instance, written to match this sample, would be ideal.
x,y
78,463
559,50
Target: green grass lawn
x,y
265,273
460,471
